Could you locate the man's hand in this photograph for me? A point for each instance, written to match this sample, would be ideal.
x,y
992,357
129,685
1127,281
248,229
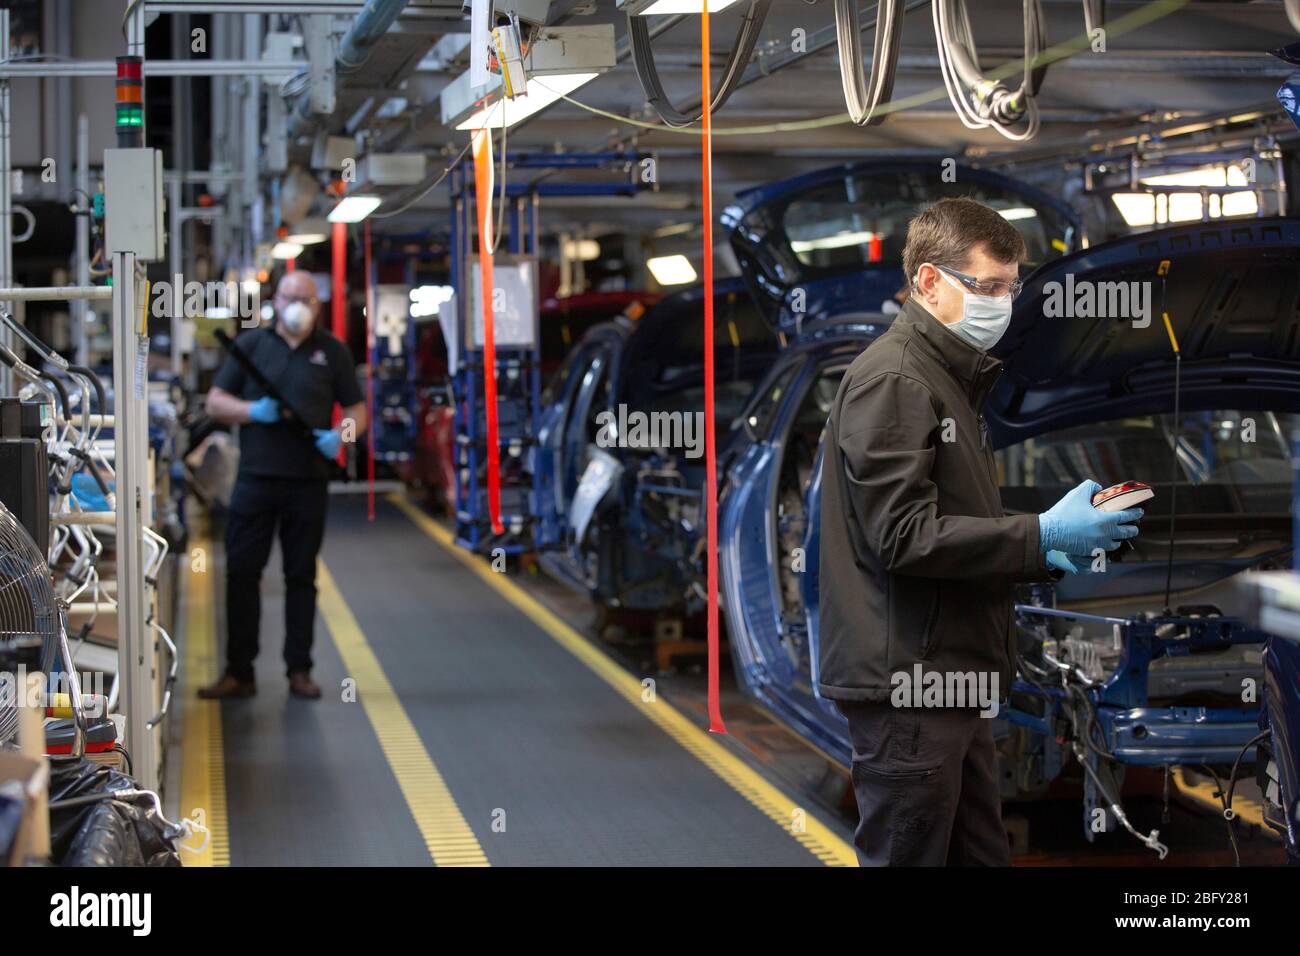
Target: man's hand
x,y
328,441
264,411
1074,526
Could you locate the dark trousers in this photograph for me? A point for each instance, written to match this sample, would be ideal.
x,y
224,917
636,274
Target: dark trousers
x,y
926,782
257,506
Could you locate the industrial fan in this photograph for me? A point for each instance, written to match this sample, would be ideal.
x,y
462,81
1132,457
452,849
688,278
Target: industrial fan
x,y
30,618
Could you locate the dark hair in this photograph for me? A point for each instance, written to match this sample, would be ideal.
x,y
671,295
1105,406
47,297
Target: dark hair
x,y
945,233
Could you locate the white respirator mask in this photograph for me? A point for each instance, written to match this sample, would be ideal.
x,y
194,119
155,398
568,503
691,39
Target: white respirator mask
x,y
984,318
296,317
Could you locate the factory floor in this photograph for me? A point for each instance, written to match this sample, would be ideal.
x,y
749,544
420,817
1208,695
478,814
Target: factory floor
x,y
464,722
474,718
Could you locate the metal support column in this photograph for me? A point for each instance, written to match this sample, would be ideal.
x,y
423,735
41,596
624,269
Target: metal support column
x,y
80,309
131,461
177,267
6,208
135,643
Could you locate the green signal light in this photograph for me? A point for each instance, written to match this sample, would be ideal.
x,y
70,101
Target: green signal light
x,y
128,115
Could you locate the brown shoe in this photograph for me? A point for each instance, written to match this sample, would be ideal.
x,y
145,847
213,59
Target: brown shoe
x,y
228,687
301,685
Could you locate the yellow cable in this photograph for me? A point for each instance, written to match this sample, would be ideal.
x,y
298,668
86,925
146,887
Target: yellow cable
x,y
1169,327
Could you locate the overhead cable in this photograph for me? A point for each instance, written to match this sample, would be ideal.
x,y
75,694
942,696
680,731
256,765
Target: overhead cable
x,y
862,96
982,102
643,55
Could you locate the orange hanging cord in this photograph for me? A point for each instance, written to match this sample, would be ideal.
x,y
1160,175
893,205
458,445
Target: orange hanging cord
x,y
483,198
710,439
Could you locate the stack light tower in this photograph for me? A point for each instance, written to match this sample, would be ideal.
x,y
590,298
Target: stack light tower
x,y
130,102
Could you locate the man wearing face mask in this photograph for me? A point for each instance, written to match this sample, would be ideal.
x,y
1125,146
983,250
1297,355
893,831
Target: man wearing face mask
x,y
283,477
918,559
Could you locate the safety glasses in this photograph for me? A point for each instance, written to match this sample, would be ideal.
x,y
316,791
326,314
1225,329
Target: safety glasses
x,y
994,287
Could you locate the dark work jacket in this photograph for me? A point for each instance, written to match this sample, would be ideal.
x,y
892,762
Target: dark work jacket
x,y
918,559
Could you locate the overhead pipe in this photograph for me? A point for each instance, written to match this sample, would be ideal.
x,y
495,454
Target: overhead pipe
x,y
353,52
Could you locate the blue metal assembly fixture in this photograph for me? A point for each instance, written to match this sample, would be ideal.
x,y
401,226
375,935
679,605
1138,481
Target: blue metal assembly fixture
x,y
391,361
518,369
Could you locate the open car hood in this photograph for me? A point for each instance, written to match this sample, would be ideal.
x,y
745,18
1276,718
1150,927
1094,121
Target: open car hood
x,y
1232,293
796,288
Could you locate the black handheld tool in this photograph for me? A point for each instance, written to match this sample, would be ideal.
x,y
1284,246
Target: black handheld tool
x,y
288,414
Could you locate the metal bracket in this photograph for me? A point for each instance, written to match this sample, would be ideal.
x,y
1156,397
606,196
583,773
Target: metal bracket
x,y
318,36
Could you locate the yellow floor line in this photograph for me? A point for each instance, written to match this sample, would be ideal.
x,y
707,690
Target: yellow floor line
x,y
796,821
203,763
446,833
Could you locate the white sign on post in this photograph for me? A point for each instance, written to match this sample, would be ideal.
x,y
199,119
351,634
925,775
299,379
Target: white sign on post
x,y
514,306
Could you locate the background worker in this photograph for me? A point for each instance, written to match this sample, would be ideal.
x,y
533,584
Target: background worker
x,y
918,559
283,480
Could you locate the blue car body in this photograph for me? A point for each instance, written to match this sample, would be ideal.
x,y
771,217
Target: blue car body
x,y
623,524
1163,679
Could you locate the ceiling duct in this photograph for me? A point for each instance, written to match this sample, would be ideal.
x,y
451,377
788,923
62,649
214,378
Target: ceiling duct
x,y
354,50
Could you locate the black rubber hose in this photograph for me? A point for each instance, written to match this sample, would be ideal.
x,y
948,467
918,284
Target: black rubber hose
x,y
864,96
62,392
93,469
1094,14
638,29
95,383
1228,812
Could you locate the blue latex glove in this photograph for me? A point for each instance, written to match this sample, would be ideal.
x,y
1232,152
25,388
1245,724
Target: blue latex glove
x,y
1074,526
264,411
328,441
1069,563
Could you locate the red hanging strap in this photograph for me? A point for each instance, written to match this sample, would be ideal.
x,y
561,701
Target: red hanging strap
x,y
371,355
710,440
339,307
482,141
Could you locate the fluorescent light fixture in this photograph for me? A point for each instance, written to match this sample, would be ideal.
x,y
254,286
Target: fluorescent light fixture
x,y
539,93
559,60
671,270
354,208
1205,176
838,240
1018,212
286,250
1157,208
651,8
309,231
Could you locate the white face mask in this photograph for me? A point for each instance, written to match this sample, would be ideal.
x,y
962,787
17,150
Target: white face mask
x,y
984,318
296,317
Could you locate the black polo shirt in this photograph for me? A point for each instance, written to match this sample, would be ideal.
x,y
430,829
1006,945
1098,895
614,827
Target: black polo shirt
x,y
311,378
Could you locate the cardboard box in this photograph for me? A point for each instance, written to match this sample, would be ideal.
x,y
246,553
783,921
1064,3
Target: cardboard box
x,y
33,775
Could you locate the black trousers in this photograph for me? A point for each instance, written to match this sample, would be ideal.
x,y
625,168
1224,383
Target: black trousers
x,y
926,783
257,507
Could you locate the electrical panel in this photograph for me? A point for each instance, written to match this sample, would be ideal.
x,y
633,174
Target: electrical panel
x,y
133,203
